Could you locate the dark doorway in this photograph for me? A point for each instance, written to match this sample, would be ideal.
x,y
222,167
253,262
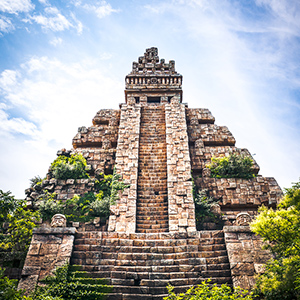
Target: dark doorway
x,y
153,99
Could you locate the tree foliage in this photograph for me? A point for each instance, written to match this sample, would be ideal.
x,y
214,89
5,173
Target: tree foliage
x,y
16,223
233,166
205,291
280,230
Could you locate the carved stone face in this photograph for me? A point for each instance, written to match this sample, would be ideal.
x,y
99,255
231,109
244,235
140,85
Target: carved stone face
x,y
58,220
243,219
175,100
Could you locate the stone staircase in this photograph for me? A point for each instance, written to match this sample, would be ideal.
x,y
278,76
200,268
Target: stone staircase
x,y
152,195
141,265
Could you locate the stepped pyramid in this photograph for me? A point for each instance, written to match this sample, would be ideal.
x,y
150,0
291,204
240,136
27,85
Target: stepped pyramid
x,y
155,142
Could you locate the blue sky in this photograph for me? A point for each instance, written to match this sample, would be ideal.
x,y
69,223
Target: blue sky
x,y
62,61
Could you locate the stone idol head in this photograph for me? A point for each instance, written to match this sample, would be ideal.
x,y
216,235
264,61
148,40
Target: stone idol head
x,y
58,220
243,219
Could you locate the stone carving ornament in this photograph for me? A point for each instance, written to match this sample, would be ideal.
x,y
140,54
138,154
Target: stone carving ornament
x,y
243,219
58,220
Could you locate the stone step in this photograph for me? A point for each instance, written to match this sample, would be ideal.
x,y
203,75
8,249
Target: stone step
x,y
144,217
162,223
210,235
152,209
152,230
143,272
146,225
151,213
149,197
155,204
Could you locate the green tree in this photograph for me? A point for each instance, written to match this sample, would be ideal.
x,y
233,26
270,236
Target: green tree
x,y
16,223
280,230
205,291
8,204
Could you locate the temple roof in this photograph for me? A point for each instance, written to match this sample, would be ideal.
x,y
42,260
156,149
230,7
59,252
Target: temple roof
x,y
149,65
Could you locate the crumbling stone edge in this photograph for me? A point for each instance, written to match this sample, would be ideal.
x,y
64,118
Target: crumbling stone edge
x,y
50,248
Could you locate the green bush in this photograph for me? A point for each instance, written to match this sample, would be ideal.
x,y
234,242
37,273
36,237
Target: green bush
x,y
35,180
8,288
203,209
232,166
69,283
205,291
65,167
280,230
90,205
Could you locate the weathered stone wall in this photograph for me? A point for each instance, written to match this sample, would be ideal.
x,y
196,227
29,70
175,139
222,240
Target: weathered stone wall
x,y
245,255
180,196
201,155
63,189
241,195
103,133
207,140
50,248
98,143
123,218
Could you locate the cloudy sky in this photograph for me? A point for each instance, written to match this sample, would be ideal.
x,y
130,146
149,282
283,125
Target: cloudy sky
x,y
62,61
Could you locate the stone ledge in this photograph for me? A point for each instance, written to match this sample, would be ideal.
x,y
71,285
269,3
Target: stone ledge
x,y
57,230
237,229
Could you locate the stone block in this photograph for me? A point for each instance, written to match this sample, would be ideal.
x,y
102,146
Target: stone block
x,y
34,249
28,283
242,269
49,249
183,222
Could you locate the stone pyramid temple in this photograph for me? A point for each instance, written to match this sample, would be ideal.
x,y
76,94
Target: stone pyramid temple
x,y
157,144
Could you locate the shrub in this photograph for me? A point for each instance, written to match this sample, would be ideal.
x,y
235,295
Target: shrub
x,y
86,207
203,208
69,283
205,291
232,166
65,167
8,288
35,180
280,230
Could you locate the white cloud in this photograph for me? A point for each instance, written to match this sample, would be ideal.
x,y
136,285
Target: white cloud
x,y
6,25
8,78
52,99
53,20
45,2
56,41
16,6
78,25
102,9
286,13
11,126
105,56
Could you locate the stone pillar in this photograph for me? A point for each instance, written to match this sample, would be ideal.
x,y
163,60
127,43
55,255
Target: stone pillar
x,y
123,218
245,254
50,248
180,194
